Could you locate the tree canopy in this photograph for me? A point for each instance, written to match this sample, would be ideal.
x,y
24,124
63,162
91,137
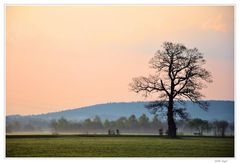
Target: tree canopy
x,y
179,75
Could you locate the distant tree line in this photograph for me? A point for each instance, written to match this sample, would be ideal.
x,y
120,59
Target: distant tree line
x,y
130,124
126,124
28,124
219,128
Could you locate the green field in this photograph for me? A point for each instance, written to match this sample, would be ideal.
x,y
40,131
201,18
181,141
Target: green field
x,y
118,146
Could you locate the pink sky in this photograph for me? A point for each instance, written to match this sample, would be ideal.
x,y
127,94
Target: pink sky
x,y
61,57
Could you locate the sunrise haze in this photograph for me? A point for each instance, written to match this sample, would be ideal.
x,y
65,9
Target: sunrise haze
x,y
61,57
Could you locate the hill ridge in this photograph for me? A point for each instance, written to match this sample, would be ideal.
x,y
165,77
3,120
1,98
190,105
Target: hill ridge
x,y
219,109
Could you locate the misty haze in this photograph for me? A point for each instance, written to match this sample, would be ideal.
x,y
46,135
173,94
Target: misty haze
x,y
119,81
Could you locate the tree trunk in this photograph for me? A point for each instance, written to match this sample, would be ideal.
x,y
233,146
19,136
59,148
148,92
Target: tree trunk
x,y
171,124
223,132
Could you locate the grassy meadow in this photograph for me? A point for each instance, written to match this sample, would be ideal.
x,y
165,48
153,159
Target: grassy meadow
x,y
117,146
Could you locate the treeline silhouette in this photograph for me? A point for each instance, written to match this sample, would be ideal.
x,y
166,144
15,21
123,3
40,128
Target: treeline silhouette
x,y
127,124
130,124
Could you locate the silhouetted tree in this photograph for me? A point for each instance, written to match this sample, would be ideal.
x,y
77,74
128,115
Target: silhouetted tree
x,y
121,122
199,124
143,121
231,127
87,123
62,124
106,124
132,122
179,76
220,127
156,123
54,126
97,123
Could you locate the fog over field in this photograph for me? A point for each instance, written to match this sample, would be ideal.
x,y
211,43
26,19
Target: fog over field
x,y
128,117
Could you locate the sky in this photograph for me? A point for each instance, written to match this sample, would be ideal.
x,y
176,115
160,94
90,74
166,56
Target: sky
x,y
62,57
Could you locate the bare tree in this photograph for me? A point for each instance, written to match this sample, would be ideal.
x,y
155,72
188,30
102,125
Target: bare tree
x,y
199,125
220,127
231,127
180,75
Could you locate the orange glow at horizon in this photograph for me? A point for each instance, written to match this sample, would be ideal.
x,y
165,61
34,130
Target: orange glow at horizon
x,y
61,57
